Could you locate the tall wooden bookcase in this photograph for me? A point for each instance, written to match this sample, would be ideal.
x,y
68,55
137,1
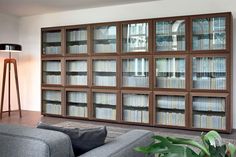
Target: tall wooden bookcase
x,y
173,72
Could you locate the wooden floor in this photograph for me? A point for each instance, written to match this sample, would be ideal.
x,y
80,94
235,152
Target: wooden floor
x,y
31,118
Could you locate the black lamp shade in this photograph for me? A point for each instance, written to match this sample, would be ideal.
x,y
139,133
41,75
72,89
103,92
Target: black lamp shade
x,y
10,48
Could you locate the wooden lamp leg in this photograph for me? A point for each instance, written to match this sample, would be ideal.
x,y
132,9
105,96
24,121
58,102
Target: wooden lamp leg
x,y
3,86
17,87
9,61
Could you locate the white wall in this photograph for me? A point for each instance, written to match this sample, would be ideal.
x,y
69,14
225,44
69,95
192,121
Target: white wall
x,y
30,32
9,33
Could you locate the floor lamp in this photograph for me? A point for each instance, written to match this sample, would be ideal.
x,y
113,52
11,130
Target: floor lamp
x,y
9,48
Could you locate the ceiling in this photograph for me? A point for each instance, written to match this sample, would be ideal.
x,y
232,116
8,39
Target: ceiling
x,y
34,7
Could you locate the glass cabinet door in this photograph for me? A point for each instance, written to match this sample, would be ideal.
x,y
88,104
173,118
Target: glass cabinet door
x,y
135,108
209,33
135,72
135,37
51,101
51,42
209,73
170,72
51,72
170,110
104,105
76,41
170,35
76,103
209,112
104,39
76,72
104,72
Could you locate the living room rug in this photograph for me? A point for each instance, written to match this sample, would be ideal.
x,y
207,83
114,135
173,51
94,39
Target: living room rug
x,y
115,131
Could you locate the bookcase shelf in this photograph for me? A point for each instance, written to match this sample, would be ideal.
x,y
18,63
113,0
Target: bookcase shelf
x,y
172,72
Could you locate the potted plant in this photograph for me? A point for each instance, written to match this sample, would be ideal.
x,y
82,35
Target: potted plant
x,y
211,146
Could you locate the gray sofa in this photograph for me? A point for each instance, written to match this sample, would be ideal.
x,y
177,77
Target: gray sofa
x,y
20,141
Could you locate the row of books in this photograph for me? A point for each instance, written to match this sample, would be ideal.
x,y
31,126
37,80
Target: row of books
x,y
172,45
52,37
209,83
77,80
171,102
110,47
77,111
205,25
52,66
135,45
77,66
52,95
104,80
170,27
136,29
136,65
77,35
206,44
105,98
170,65
105,113
52,79
170,118
209,121
52,49
104,65
135,81
75,49
51,108
208,104
209,64
170,82
77,97
105,32
136,100
136,116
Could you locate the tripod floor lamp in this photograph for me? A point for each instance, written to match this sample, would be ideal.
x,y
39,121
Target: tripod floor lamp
x,y
9,48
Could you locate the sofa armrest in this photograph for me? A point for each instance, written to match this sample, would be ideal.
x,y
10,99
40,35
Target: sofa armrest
x,y
123,146
23,141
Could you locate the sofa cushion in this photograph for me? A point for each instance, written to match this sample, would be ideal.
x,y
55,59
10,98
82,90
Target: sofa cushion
x,y
82,140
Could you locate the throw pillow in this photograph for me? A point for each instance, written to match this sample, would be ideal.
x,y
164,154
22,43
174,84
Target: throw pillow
x,y
82,140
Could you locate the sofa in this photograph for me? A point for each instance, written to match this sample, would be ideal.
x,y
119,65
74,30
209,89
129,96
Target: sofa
x,y
21,141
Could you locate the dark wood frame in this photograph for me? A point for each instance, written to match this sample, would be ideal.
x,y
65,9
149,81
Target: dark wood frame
x,y
151,54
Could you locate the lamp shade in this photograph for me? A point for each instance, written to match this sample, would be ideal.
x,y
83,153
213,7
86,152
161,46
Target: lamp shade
x,y
10,48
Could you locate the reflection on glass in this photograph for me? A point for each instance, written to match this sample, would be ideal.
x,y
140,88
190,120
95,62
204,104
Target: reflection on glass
x,y
104,72
209,72
104,105
209,112
209,33
170,73
135,37
104,39
170,110
77,104
52,101
135,72
170,35
135,108
77,41
76,72
52,42
51,72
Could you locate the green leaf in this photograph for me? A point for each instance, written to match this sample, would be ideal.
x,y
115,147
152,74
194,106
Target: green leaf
x,y
218,151
232,149
213,138
188,142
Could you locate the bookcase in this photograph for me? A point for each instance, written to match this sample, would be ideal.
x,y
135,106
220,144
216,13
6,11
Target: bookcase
x,y
173,72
